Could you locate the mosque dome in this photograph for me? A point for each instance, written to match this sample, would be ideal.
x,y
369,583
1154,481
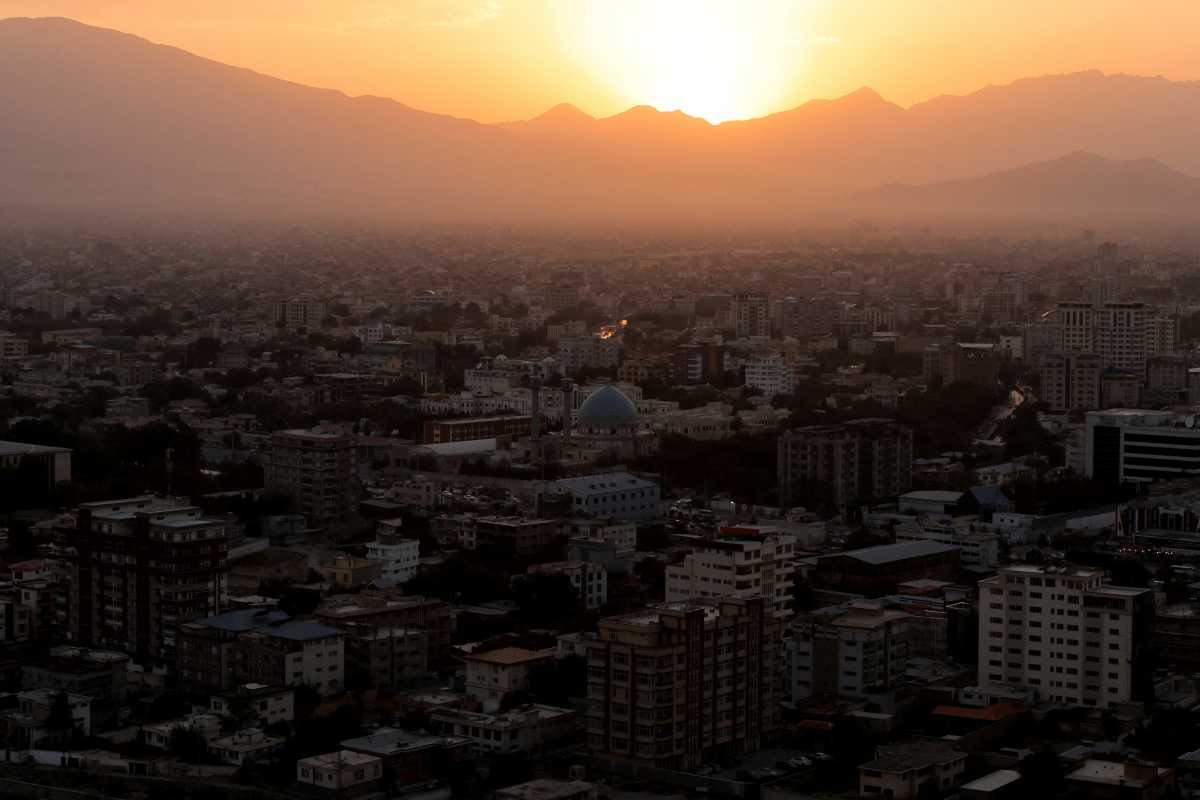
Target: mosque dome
x,y
607,407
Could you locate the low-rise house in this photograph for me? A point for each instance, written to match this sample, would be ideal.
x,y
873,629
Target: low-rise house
x,y
344,773
410,758
910,770
245,746
159,734
493,674
522,730
257,702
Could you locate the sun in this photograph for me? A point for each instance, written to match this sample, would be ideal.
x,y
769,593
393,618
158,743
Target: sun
x,y
716,59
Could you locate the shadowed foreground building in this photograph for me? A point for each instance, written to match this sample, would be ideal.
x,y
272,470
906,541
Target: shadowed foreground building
x,y
683,683
861,461
136,569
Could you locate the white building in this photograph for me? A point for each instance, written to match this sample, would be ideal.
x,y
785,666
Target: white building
x,y
614,495
980,547
245,746
854,652
621,535
1137,445
397,557
588,578
1064,632
520,730
337,772
495,673
771,375
737,567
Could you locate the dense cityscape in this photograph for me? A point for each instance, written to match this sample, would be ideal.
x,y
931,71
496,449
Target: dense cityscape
x,y
292,514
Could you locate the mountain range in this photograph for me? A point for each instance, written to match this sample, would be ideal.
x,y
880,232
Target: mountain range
x,y
98,120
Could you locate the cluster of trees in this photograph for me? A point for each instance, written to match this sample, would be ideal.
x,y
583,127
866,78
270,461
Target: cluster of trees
x,y
742,466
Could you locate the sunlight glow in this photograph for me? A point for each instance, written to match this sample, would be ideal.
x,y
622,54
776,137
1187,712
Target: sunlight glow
x,y
716,59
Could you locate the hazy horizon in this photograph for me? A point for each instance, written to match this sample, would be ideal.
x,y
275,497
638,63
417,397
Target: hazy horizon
x,y
504,60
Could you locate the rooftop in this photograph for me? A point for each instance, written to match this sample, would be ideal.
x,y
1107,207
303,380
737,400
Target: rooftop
x,y
511,655
24,449
391,741
544,789
886,553
342,758
244,619
608,482
993,781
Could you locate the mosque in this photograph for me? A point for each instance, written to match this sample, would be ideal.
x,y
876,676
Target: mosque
x,y
607,425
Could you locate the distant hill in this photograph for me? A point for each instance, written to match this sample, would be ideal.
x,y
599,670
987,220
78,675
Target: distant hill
x,y
94,119
1076,185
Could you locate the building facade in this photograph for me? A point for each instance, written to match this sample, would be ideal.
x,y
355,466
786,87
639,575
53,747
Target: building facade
x,y
860,461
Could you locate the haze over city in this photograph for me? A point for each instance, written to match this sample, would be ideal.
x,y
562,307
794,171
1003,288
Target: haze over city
x,y
599,399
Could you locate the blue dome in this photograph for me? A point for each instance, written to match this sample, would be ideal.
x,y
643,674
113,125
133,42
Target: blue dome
x,y
607,407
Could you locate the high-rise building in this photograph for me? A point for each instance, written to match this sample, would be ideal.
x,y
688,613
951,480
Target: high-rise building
x,y
679,684
702,362
136,569
1123,334
860,461
316,470
1070,380
771,375
295,314
1066,633
856,652
737,566
751,315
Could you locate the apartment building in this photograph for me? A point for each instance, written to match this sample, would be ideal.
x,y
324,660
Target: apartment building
x,y
495,673
520,536
385,609
386,656
1070,380
856,652
133,570
860,461
397,557
526,729
751,315
292,653
1065,633
737,567
1124,335
295,314
679,684
316,470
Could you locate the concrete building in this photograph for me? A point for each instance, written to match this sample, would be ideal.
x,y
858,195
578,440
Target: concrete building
x,y
616,495
911,770
1070,380
135,569
387,609
316,470
409,758
1064,632
589,579
267,705
1126,445
737,567
1124,335
980,547
495,673
386,656
246,746
521,536
861,461
858,652
621,535
293,314
344,773
679,684
751,313
878,570
1118,780
771,375
53,462
397,557
439,431
344,570
527,729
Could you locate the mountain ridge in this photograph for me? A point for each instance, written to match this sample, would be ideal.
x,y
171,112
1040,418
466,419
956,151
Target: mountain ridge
x,y
106,119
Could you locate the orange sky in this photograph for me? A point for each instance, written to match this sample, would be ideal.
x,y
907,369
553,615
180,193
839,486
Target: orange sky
x,y
495,60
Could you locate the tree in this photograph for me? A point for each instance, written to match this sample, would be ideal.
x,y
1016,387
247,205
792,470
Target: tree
x,y
188,744
60,720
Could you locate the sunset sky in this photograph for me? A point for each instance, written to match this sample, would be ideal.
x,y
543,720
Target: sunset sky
x,y
494,60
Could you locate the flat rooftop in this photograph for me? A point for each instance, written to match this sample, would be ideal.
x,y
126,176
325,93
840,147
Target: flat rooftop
x,y
24,449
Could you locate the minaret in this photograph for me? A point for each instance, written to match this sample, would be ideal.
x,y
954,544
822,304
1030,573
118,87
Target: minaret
x,y
535,408
568,405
